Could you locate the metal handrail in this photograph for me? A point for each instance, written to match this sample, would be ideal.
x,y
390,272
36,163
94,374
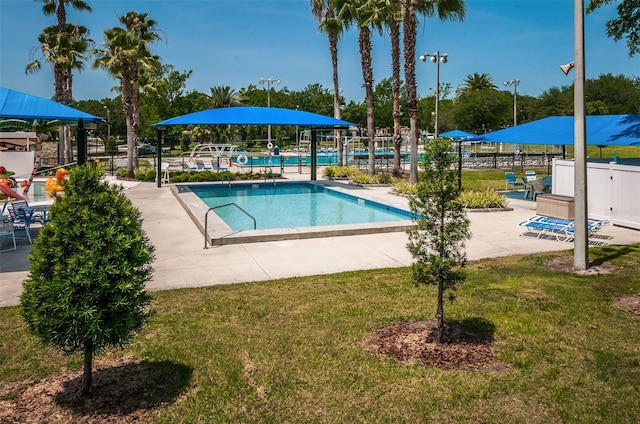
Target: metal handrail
x,y
273,177
206,219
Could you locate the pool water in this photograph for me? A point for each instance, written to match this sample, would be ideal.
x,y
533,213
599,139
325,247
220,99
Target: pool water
x,y
37,192
289,205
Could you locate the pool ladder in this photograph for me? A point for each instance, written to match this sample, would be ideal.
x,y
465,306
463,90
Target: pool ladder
x,y
273,177
206,219
228,177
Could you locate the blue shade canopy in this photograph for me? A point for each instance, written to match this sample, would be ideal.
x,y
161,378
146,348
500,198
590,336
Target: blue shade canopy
x,y
257,116
457,134
17,105
602,130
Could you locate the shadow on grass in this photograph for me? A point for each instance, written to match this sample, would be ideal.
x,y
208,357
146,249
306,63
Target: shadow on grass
x,y
126,389
473,330
613,252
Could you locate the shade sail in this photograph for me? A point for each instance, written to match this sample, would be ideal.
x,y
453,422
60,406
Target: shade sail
x,y
457,134
254,115
18,105
602,130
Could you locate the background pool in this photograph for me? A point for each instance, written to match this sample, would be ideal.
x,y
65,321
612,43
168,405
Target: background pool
x,y
288,205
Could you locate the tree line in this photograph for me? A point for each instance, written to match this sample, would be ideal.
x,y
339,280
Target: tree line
x,y
150,91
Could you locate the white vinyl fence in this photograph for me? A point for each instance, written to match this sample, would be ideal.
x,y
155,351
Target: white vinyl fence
x,y
613,190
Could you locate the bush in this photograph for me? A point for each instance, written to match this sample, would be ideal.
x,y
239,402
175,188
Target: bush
x,y
89,265
485,199
404,188
340,171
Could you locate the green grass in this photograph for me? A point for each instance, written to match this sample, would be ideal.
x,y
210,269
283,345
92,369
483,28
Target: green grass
x,y
482,179
292,350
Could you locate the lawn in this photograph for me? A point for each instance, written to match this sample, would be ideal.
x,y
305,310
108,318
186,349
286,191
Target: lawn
x,y
292,350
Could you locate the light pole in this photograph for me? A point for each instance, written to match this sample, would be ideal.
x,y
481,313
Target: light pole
x,y
436,58
581,222
515,83
269,81
108,127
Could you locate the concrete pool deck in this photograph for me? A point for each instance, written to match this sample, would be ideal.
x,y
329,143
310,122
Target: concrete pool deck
x,y
181,261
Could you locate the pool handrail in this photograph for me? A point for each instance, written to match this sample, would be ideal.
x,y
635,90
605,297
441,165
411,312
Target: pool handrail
x,y
206,219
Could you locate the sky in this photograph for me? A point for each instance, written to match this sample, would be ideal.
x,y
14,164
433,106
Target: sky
x,y
235,43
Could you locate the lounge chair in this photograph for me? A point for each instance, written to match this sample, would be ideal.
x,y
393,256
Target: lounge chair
x,y
510,179
539,226
531,175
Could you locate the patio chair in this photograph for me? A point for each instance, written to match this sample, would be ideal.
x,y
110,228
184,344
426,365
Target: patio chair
x,y
510,179
537,187
22,218
527,188
15,206
531,175
6,230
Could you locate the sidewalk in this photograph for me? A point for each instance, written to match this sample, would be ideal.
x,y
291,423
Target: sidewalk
x,y
181,260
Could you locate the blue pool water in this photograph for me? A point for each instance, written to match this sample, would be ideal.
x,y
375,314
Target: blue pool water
x,y
328,158
288,205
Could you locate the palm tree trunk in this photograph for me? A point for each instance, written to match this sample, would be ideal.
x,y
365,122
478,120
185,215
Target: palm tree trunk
x,y
36,161
364,40
333,48
395,70
410,30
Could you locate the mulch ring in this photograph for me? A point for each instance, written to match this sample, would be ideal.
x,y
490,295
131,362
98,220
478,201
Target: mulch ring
x,y
124,391
414,342
629,304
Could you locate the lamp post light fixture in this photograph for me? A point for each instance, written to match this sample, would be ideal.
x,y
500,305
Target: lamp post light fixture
x,y
269,81
436,58
515,83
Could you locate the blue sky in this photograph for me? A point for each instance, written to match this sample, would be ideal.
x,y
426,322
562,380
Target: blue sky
x,y
237,42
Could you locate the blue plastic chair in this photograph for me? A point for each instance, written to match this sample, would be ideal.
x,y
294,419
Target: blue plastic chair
x,y
511,179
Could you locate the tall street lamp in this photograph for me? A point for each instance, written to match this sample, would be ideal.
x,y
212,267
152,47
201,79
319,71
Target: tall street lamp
x,y
436,58
108,122
269,81
515,83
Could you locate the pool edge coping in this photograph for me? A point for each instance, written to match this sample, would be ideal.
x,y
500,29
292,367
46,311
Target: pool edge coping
x,y
219,233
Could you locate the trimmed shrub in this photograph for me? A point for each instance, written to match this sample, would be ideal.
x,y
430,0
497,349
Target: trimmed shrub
x,y
485,199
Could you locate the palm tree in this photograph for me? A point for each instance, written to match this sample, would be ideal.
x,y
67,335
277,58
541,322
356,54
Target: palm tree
x,y
444,9
66,52
366,15
325,13
474,82
225,96
392,19
58,7
126,56
61,76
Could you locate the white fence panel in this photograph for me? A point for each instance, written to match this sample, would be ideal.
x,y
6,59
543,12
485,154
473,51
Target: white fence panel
x,y
613,190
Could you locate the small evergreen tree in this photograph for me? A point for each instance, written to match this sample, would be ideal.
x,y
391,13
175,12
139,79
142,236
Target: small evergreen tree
x,y
111,147
85,290
438,243
185,142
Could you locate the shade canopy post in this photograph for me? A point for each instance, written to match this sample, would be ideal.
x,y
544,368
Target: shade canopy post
x,y
314,156
82,143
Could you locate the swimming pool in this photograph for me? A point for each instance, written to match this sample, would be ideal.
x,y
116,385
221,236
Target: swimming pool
x,y
286,210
